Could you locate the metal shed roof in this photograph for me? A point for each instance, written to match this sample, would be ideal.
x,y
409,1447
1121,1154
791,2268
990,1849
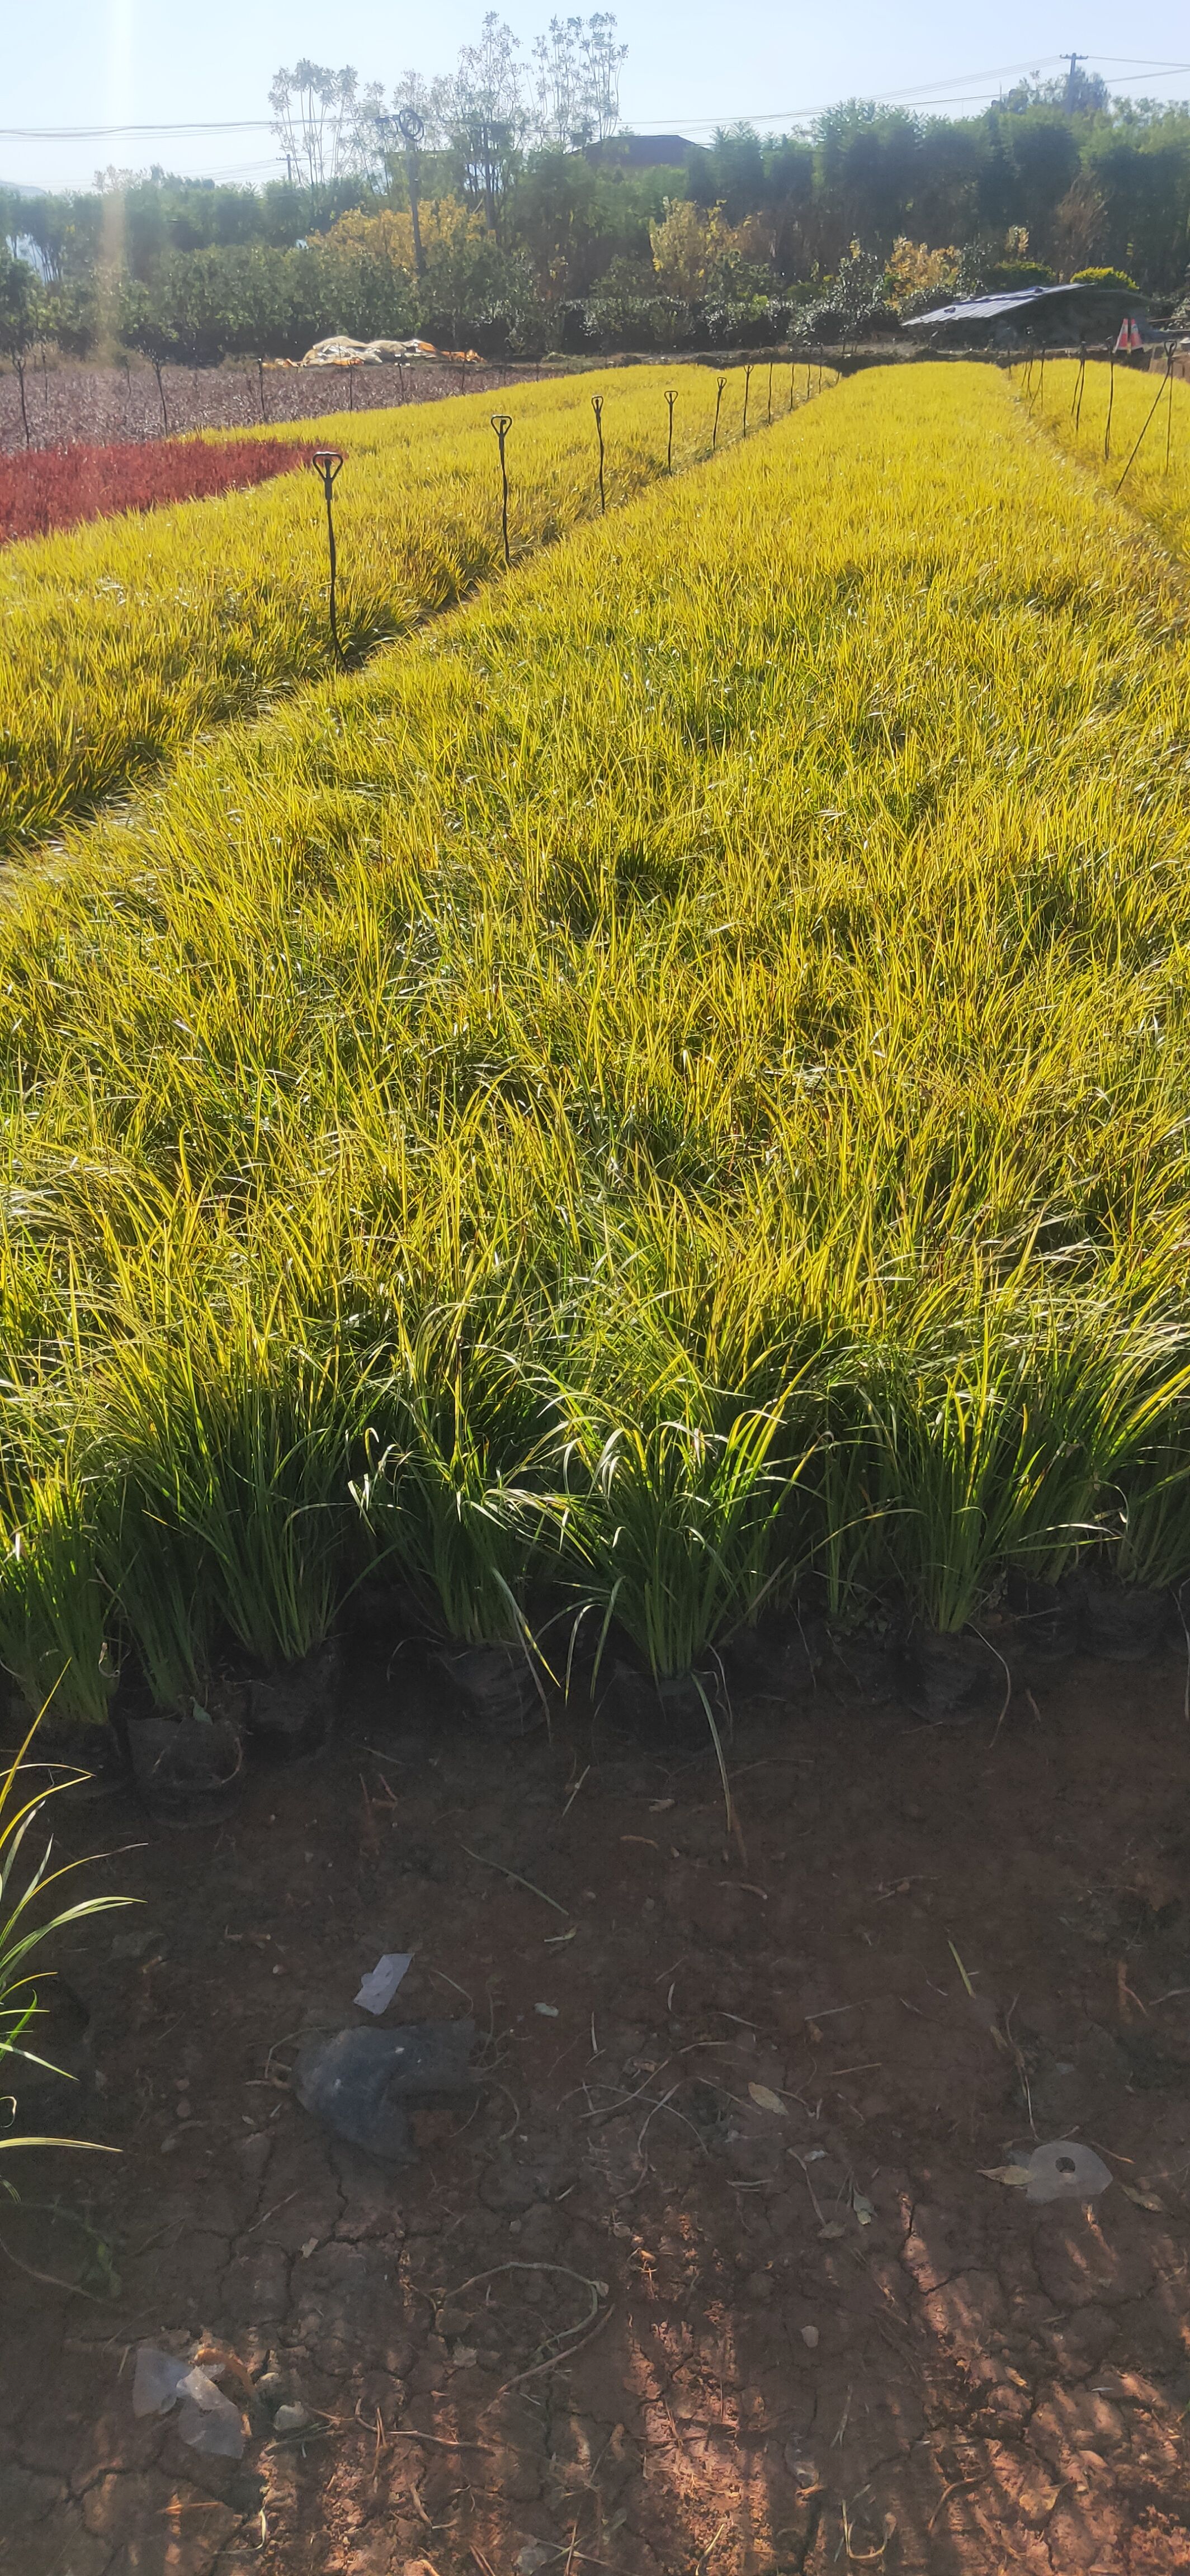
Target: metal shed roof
x,y
990,308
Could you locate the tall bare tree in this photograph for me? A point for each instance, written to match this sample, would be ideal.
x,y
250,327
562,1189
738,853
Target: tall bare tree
x,y
576,74
324,121
603,56
559,83
486,114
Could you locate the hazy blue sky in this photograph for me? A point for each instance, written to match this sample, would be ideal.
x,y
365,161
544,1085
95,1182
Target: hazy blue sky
x,y
161,61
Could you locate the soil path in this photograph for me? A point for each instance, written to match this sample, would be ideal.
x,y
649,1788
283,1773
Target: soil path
x,y
108,403
709,2274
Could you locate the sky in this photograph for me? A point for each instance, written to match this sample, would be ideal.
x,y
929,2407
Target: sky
x,y
86,63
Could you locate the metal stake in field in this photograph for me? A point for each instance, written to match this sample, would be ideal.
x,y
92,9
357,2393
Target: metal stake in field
x,y
328,462
1076,400
770,414
792,370
1165,386
669,444
720,381
502,423
747,390
1041,387
597,408
260,381
1111,396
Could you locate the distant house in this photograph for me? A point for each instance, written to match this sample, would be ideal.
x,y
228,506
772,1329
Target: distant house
x,y
644,151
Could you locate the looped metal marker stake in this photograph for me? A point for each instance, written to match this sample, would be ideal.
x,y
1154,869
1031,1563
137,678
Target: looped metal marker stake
x,y
597,408
747,390
502,423
328,462
792,368
770,413
669,444
1111,396
720,381
1151,414
1076,399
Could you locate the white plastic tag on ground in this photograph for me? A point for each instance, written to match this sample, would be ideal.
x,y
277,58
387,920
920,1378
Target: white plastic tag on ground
x,y
380,1985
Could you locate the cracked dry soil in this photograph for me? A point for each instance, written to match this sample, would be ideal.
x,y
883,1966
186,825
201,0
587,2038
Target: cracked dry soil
x,y
621,2314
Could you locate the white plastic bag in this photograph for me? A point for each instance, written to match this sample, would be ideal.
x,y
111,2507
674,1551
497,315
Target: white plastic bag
x,y
208,2420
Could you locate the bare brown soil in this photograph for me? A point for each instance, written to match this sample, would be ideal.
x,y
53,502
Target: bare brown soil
x,y
622,2314
102,404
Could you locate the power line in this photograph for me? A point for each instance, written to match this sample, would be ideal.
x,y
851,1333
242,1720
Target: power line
x,y
247,169
946,92
264,125
998,71
922,97
119,133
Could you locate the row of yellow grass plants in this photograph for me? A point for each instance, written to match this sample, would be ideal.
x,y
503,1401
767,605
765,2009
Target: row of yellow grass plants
x,y
674,1080
1129,426
120,640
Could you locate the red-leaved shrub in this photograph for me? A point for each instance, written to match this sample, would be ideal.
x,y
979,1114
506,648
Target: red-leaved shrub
x,y
54,487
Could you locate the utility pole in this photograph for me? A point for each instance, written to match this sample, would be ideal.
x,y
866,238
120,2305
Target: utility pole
x,y
410,128
1075,60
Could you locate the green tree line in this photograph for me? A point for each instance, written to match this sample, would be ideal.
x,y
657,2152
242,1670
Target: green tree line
x,y
536,231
